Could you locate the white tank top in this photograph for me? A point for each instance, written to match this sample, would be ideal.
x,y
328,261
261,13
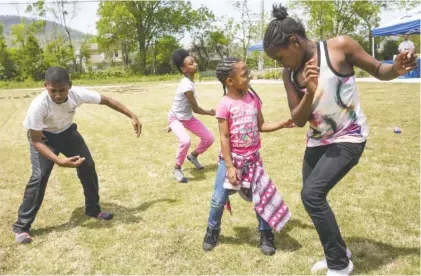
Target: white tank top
x,y
336,112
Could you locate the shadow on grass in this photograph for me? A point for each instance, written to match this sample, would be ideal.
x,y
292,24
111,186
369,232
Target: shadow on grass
x,y
368,254
199,175
121,214
283,241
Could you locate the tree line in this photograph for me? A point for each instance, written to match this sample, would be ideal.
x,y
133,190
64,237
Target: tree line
x,y
146,33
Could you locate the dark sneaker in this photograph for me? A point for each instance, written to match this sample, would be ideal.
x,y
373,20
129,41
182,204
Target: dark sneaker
x,y
195,162
105,216
267,244
211,239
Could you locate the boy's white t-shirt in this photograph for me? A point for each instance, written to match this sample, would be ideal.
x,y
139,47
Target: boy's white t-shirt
x,y
45,115
181,106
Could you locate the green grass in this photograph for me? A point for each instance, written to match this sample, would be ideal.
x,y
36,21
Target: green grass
x,y
160,224
85,80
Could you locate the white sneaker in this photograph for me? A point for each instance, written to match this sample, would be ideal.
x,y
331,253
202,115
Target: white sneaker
x,y
346,271
179,176
323,263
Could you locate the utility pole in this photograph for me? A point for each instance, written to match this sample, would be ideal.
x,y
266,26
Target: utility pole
x,y
262,15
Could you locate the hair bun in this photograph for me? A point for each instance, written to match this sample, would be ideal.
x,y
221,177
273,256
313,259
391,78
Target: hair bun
x,y
279,12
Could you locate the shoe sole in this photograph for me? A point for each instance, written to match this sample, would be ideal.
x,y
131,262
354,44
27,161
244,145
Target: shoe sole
x,y
108,218
268,253
102,218
207,249
183,180
25,241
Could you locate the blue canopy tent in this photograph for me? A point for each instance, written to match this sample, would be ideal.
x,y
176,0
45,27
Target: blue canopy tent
x,y
407,24
256,47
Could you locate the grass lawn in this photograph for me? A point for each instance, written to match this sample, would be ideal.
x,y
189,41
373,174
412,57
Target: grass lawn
x,y
159,224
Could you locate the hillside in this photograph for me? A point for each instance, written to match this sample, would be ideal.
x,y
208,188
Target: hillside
x,y
52,29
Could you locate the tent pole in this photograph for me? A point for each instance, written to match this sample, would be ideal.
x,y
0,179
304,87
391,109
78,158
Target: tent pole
x,y
275,69
372,46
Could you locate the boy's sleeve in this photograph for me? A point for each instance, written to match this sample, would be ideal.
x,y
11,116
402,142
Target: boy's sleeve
x,y
222,111
84,95
35,118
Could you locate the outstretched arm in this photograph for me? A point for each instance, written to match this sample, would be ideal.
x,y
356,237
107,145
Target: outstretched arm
x,y
195,106
270,127
404,62
117,106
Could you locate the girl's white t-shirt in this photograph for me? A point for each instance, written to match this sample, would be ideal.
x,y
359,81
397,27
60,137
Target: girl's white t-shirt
x,y
181,107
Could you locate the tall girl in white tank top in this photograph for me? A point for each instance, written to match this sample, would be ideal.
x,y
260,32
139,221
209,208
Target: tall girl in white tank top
x,y
320,84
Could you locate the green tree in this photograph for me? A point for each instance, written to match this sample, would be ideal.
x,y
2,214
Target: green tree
x,y
390,48
203,25
84,53
29,58
339,17
220,42
38,12
7,66
64,12
163,49
19,31
116,29
58,53
248,28
369,14
154,19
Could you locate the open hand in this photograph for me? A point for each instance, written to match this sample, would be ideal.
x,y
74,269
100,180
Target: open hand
x,y
288,124
137,126
167,129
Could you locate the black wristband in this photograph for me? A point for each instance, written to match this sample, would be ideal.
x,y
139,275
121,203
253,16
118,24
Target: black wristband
x,y
378,69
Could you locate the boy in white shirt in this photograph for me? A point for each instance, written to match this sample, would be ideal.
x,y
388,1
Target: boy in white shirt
x,y
51,131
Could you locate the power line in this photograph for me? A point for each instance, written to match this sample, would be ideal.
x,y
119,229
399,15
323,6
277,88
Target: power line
x,y
49,2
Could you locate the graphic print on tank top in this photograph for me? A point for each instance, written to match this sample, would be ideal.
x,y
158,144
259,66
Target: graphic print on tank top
x,y
336,112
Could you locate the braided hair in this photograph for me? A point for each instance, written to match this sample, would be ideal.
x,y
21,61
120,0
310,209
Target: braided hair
x,y
178,57
281,28
224,69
